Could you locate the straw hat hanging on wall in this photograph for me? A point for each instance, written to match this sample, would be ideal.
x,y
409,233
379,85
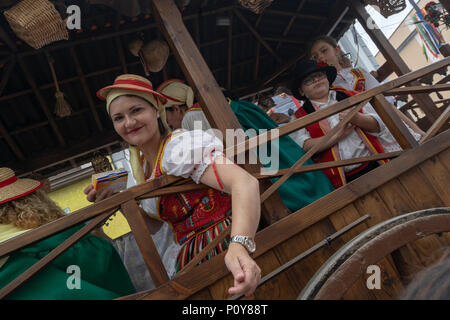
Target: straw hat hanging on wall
x,y
37,22
153,54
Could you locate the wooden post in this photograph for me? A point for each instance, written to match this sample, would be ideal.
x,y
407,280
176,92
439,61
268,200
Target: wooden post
x,y
199,76
393,122
41,102
141,231
394,59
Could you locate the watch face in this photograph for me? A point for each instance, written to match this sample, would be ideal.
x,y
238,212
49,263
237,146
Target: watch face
x,y
251,245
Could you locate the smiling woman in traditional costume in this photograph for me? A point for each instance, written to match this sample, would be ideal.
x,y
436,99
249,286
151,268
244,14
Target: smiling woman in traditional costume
x,y
196,217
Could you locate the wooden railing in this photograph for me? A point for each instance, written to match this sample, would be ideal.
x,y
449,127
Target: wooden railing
x,y
126,201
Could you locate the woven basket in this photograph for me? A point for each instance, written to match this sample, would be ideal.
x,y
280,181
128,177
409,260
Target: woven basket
x,y
257,6
37,22
388,7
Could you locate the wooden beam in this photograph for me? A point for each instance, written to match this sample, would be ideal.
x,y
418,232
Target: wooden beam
x,y
418,89
256,68
121,54
86,90
9,42
57,156
12,144
393,57
141,231
7,74
109,35
296,14
437,125
384,71
230,50
41,102
257,35
393,122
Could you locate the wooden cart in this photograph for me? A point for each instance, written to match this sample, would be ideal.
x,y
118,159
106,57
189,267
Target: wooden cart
x,y
301,252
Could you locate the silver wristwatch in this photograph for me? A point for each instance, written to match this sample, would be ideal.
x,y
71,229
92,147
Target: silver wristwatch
x,y
247,242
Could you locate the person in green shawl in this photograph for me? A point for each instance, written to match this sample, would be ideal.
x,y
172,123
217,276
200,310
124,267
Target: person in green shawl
x,y
301,189
90,269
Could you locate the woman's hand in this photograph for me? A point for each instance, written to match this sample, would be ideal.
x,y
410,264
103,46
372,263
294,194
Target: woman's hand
x,y
93,195
245,271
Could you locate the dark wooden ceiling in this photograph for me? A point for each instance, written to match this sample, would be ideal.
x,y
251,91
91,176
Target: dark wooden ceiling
x,y
33,138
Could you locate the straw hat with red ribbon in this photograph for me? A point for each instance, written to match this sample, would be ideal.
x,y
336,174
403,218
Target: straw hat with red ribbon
x,y
12,188
176,92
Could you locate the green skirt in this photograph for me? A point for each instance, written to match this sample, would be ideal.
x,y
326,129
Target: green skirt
x,y
99,272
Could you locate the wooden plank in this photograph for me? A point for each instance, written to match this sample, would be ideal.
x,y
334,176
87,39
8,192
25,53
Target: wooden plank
x,y
440,122
439,176
418,89
7,74
300,273
144,240
42,103
11,143
384,71
202,295
257,35
391,284
421,190
86,90
393,122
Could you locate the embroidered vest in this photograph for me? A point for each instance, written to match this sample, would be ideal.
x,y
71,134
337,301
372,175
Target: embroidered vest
x,y
195,107
336,175
360,82
192,212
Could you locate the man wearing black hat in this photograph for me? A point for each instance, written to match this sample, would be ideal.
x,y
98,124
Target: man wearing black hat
x,y
358,139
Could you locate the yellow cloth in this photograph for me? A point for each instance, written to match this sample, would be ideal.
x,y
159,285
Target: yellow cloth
x,y
8,231
179,91
116,226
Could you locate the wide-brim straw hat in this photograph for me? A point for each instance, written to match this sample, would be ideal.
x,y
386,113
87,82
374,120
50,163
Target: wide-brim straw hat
x,y
12,188
131,82
155,54
164,85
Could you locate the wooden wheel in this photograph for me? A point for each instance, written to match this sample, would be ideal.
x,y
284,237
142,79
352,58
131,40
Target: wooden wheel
x,y
348,264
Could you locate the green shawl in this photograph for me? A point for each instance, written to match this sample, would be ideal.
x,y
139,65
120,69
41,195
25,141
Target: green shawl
x,y
102,273
299,190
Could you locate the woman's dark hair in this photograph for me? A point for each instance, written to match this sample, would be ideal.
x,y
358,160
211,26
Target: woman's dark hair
x,y
344,61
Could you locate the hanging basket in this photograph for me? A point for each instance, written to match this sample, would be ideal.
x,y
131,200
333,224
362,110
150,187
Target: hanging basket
x,y
257,6
100,163
37,22
388,7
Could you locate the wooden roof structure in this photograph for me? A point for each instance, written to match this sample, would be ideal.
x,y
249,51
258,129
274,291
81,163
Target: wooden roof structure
x,y
253,52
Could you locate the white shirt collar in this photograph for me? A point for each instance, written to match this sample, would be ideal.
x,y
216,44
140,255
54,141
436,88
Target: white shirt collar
x,y
331,100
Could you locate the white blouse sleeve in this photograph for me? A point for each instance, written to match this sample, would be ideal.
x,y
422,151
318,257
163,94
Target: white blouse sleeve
x,y
189,153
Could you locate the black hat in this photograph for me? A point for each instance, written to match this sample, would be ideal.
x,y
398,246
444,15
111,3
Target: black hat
x,y
308,67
